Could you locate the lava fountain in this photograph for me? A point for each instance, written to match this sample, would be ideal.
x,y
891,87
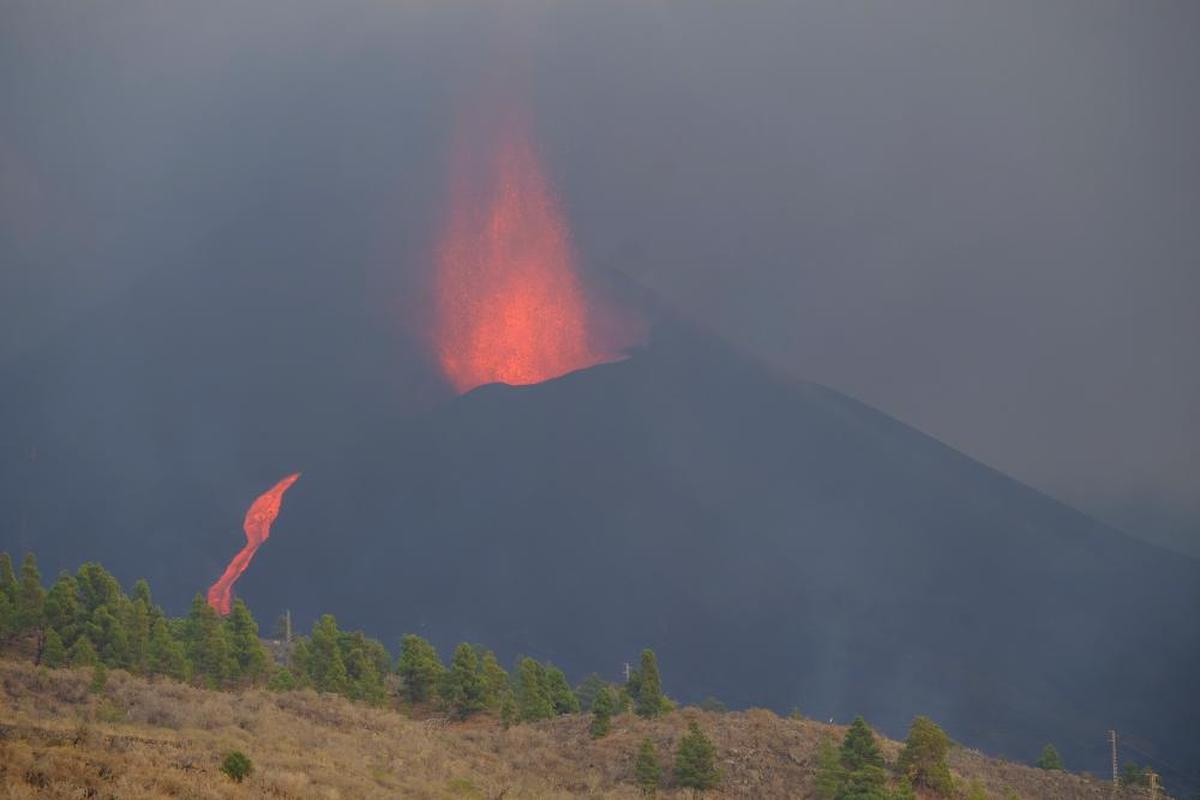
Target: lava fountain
x,y
257,526
509,304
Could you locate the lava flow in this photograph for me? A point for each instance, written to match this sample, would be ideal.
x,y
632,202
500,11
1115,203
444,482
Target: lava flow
x,y
257,526
509,306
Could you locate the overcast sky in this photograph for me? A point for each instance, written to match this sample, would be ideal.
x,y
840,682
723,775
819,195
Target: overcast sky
x,y
980,218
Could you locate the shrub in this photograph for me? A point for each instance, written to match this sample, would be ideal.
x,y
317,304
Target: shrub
x,y
282,680
237,766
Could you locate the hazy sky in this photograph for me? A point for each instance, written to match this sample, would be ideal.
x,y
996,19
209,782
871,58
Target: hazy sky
x,y
980,218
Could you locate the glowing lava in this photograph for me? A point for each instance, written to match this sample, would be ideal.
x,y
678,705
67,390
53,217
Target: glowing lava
x,y
510,307
257,526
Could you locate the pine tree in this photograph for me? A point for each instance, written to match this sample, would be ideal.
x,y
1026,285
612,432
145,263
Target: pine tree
x,y
495,681
328,670
1049,759
831,776
141,591
138,627
165,654
602,710
533,700
649,692
109,634
923,759
419,667
63,612
54,654
248,656
82,654
31,597
463,688
696,760
97,587
587,690
859,747
646,769
8,617
8,579
206,645
559,691
366,662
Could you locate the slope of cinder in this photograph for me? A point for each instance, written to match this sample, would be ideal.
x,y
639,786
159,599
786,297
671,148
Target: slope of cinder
x,y
777,543
160,739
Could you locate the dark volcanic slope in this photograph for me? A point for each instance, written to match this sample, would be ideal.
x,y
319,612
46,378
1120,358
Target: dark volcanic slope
x,y
777,543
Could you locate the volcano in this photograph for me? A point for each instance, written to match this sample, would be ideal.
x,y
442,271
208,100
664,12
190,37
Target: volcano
x,y
779,544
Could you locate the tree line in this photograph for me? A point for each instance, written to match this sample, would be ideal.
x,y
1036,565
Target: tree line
x,y
86,619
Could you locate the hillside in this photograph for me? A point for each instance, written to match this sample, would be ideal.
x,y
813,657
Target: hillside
x,y
777,543
160,739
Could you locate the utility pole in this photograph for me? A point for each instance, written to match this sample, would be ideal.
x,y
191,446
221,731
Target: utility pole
x,y
287,626
1112,739
626,671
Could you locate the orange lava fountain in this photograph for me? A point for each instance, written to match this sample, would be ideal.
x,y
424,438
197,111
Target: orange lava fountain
x,y
509,306
257,526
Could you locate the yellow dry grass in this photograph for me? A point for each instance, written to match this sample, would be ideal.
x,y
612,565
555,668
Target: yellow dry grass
x,y
146,740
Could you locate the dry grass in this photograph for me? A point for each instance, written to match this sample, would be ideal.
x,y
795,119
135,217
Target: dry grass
x,y
142,739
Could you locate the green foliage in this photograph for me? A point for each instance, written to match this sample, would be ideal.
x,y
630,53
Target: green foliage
x,y
327,669
419,667
82,654
54,654
1133,775
137,626
8,617
713,705
976,791
533,697
165,654
367,661
923,759
496,689
649,696
31,597
830,775
99,678
859,748
63,612
646,770
695,760
249,659
587,690
855,770
110,635
603,706
462,688
904,790
1049,759
863,775
8,579
207,645
282,680
559,691
508,711
237,766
